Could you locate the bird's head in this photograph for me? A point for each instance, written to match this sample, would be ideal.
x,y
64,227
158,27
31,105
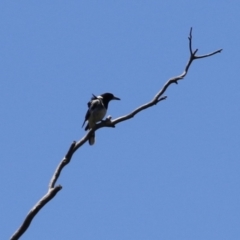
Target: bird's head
x,y
107,97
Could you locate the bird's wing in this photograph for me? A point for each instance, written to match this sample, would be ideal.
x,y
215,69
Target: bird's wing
x,y
86,117
92,105
92,98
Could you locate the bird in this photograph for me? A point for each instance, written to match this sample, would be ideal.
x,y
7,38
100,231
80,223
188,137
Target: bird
x,y
97,109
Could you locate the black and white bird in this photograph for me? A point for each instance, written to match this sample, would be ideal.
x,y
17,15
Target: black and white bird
x,y
97,109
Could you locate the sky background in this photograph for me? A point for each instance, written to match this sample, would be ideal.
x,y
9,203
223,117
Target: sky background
x,y
171,172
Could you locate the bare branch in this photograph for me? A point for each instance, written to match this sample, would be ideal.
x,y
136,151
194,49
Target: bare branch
x,y
33,212
52,191
190,41
209,55
157,98
62,164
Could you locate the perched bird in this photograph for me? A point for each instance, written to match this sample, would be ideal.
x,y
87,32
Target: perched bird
x,y
97,109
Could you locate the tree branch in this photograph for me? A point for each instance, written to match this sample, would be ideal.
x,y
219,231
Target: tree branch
x,y
62,164
33,212
158,97
52,190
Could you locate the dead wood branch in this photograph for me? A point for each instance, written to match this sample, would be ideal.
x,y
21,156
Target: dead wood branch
x,y
53,190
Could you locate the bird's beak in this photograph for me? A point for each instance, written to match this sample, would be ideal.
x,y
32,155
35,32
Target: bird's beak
x,y
116,98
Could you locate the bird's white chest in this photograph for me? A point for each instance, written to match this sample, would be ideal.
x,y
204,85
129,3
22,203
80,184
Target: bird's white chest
x,y
96,116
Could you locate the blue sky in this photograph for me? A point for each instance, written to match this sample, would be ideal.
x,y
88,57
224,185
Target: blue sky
x,y
171,172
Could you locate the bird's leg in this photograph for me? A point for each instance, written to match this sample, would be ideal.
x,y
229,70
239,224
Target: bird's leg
x,y
108,121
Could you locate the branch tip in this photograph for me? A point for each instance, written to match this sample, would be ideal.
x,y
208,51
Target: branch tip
x,y
59,187
161,99
190,41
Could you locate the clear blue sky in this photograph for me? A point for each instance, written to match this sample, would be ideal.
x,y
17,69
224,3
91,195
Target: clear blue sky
x,y
172,172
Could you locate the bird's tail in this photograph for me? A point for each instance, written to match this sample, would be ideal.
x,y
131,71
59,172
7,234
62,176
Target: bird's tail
x,y
91,139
